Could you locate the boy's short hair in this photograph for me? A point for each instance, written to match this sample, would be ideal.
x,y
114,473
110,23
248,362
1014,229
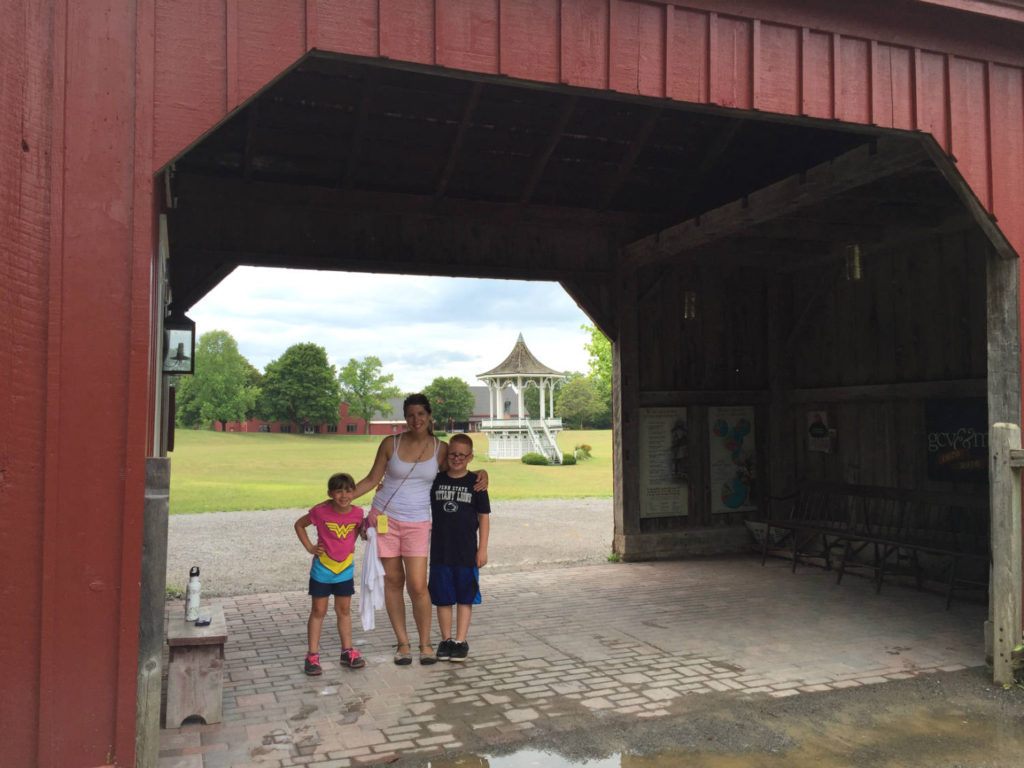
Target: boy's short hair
x,y
341,481
461,438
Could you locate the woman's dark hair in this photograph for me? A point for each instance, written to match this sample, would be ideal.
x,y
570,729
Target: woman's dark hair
x,y
419,398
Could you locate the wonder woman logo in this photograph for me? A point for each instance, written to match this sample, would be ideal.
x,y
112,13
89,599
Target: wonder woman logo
x,y
341,531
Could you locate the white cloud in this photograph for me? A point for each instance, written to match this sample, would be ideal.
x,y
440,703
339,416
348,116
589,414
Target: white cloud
x,y
420,327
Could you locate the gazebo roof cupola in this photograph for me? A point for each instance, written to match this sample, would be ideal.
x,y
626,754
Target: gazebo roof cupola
x,y
520,362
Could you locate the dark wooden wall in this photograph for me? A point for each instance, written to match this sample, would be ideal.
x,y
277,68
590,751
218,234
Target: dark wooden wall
x,y
871,353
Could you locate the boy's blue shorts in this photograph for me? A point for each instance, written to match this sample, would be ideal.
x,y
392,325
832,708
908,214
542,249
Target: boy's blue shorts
x,y
345,588
451,584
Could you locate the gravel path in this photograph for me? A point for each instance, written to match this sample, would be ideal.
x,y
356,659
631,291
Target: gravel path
x,y
250,552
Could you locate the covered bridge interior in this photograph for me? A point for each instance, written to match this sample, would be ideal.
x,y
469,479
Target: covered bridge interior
x,y
797,268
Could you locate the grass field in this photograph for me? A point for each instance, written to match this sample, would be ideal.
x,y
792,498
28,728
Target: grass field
x,y
217,471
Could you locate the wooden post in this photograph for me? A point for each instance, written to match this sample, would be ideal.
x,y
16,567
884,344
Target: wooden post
x,y
1005,598
151,618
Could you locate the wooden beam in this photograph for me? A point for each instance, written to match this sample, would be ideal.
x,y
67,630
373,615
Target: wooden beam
x,y
221,260
198,191
633,151
903,390
597,296
853,169
460,136
549,147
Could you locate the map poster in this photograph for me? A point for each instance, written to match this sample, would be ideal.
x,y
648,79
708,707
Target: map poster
x,y
733,460
664,462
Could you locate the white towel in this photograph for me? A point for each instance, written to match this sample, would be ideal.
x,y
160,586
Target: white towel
x,y
371,597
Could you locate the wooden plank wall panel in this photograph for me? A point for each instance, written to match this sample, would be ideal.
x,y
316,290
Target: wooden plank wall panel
x,y
1006,101
467,35
530,34
191,73
637,48
854,71
969,130
779,68
817,75
732,63
30,73
932,96
349,26
271,37
584,43
892,88
686,68
407,30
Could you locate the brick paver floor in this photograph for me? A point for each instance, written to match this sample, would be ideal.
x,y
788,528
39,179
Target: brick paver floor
x,y
627,639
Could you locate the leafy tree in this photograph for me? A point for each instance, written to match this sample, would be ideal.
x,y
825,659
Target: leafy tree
x,y
600,363
450,400
253,380
579,401
221,389
300,386
365,390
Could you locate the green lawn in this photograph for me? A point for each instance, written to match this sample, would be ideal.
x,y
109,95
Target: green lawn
x,y
216,471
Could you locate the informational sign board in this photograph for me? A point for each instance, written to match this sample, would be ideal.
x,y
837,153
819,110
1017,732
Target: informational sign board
x,y
664,463
733,459
957,439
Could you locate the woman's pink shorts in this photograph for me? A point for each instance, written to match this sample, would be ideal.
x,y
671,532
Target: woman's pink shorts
x,y
404,539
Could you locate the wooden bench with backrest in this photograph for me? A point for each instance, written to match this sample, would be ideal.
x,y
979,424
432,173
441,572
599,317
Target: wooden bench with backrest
x,y
888,531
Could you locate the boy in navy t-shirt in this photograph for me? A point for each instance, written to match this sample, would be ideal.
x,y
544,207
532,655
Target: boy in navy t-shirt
x,y
458,547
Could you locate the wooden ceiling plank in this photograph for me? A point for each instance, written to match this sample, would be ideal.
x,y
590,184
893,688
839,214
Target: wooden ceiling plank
x,y
636,146
549,147
358,131
460,136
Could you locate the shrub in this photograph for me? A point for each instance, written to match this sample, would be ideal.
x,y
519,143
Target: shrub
x,y
582,451
568,458
535,458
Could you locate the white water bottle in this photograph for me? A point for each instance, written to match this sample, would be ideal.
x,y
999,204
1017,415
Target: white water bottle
x,y
192,595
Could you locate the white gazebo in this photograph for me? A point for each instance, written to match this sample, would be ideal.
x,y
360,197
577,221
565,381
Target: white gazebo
x,y
513,437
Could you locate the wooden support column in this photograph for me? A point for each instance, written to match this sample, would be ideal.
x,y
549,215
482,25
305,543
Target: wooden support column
x,y
625,414
151,619
1005,602
1004,399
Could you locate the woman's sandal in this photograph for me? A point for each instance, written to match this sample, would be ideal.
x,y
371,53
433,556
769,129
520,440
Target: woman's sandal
x,y
403,657
429,657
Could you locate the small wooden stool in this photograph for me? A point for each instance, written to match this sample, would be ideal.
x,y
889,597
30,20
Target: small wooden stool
x,y
195,674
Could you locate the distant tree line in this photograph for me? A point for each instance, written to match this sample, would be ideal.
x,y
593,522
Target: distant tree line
x,y
303,387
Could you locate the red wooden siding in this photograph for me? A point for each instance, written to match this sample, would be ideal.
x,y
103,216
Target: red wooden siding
x,y
895,70
96,96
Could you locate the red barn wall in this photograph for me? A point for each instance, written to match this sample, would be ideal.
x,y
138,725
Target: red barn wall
x,y
94,97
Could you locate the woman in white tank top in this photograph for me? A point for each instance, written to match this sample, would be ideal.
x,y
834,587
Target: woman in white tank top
x,y
407,464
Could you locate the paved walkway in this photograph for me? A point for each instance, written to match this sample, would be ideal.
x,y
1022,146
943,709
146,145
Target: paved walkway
x,y
550,646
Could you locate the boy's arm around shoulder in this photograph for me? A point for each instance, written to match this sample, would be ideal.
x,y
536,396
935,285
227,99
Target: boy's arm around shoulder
x,y
484,533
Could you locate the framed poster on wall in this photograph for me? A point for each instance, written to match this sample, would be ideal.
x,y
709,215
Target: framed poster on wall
x,y
957,434
733,460
664,462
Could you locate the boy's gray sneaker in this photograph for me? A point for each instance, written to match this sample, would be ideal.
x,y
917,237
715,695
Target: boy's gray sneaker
x,y
459,651
444,650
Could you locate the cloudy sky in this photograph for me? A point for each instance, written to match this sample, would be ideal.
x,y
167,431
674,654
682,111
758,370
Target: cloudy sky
x,y
419,327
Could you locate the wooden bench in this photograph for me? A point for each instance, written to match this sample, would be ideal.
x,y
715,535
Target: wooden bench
x,y
888,531
195,673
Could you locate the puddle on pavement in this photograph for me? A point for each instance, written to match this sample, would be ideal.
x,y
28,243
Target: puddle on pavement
x,y
924,737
